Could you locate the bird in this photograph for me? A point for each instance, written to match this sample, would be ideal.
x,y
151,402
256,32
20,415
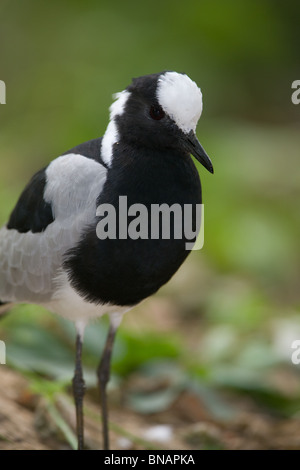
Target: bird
x,y
54,253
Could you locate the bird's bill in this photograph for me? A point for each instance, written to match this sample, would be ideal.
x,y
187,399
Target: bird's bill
x,y
194,147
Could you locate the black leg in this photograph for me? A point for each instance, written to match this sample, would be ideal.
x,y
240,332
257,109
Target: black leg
x,y
78,391
103,374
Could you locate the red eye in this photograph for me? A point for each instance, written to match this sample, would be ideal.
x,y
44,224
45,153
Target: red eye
x,y
157,113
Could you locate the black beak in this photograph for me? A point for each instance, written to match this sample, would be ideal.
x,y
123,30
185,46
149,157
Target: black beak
x,y
193,146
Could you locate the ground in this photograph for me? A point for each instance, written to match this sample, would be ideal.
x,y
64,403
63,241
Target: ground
x,y
181,379
27,422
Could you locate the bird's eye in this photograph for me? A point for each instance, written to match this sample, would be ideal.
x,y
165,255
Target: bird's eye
x,y
156,112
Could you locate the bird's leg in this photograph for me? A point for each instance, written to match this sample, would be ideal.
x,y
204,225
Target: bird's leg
x,y
103,374
78,391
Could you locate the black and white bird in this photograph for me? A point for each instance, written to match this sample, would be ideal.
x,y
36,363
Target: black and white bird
x,y
50,253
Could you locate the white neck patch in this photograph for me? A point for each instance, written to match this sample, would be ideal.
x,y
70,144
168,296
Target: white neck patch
x,y
111,135
181,99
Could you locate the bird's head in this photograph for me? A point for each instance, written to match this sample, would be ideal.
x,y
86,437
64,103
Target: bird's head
x,y
158,111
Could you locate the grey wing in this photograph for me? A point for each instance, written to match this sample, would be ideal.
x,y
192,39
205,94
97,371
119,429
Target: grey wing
x,y
30,261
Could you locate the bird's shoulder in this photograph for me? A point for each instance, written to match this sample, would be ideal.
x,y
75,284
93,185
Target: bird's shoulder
x,y
60,189
90,149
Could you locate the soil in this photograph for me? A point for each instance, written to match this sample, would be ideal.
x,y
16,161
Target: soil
x,y
26,423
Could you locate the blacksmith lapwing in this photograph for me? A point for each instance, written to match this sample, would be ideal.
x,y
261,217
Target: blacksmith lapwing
x,y
51,250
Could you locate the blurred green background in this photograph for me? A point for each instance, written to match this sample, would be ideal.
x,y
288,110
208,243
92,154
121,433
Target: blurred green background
x,y
228,318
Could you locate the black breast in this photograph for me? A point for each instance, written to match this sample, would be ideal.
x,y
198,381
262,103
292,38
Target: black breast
x,y
124,272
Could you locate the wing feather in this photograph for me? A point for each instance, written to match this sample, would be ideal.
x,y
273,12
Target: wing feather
x,y
30,262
